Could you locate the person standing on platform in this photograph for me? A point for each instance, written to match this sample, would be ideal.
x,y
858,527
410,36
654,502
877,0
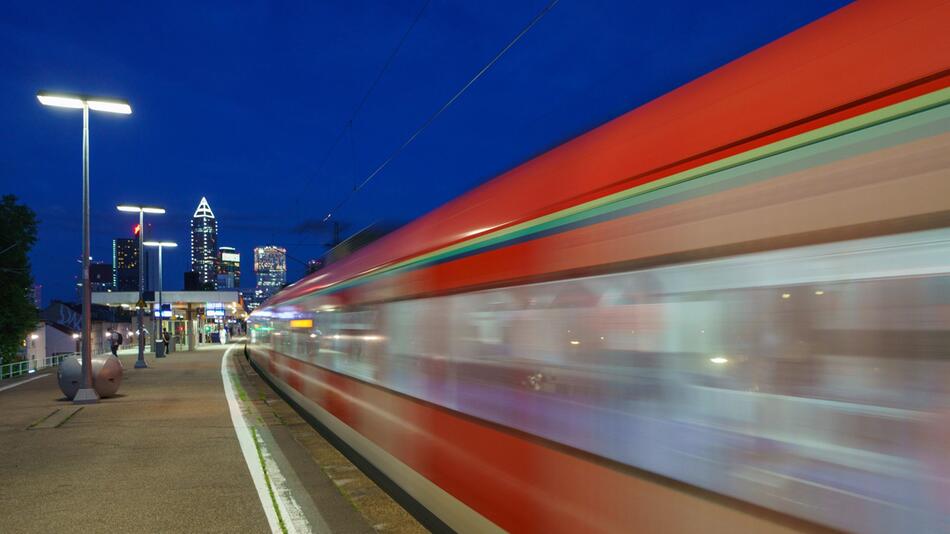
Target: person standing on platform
x,y
115,340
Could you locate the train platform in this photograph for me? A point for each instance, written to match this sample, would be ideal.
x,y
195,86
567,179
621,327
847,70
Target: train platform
x,y
195,443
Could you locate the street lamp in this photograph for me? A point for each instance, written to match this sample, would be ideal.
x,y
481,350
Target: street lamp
x,y
86,393
141,210
160,245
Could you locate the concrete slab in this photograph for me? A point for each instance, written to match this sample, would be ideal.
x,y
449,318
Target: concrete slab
x,y
163,456
160,457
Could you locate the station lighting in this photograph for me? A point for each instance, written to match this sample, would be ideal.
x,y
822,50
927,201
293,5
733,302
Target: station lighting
x,y
74,101
161,245
140,232
86,393
143,209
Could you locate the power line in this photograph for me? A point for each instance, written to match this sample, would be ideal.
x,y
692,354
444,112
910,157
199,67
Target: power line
x,y
444,107
348,125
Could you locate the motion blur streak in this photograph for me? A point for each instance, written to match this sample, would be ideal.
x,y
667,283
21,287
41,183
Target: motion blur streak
x,y
752,335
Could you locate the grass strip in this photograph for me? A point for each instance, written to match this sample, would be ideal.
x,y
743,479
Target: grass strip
x,y
68,417
40,421
270,488
241,393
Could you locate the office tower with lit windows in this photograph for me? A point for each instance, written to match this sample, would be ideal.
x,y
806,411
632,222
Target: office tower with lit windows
x,y
229,268
270,267
125,264
204,245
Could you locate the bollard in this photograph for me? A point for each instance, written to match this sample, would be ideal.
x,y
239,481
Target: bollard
x,y
106,375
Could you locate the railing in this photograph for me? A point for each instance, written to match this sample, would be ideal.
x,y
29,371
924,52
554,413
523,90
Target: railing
x,y
25,367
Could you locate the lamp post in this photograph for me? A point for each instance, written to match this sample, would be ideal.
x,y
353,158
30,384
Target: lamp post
x,y
160,245
86,393
141,210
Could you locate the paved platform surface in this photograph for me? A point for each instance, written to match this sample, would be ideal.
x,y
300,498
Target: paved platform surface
x,y
165,456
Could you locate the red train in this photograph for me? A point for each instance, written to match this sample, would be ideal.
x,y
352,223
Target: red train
x,y
728,309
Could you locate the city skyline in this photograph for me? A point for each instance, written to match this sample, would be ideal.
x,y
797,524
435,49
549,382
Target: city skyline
x,y
123,267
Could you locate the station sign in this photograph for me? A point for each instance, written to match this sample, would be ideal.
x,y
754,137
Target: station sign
x,y
214,309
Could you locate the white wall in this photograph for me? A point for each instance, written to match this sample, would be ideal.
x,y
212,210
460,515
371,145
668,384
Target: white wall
x,y
58,341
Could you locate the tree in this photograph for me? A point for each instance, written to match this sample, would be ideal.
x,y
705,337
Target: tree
x,y
18,315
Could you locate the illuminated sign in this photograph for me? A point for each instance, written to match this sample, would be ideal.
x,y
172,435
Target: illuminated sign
x,y
214,309
230,256
301,323
136,229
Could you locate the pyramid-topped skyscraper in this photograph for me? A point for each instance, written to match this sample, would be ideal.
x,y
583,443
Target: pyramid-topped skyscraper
x,y
204,245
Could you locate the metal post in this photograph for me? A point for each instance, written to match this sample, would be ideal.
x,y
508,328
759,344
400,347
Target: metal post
x,y
161,320
86,393
190,328
140,362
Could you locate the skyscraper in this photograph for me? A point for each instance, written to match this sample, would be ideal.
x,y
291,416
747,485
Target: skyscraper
x,y
270,267
125,264
229,268
204,245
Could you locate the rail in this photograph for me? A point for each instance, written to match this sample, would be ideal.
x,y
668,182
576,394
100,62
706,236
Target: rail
x,y
25,367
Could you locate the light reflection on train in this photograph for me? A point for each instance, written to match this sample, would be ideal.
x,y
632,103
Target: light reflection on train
x,y
738,375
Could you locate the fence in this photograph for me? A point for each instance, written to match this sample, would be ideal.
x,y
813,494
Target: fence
x,y
11,370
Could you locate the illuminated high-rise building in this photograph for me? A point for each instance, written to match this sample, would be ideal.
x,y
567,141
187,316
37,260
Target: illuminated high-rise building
x,y
125,264
270,267
204,245
229,268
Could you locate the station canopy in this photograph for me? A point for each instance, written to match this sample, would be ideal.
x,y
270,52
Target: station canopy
x,y
179,300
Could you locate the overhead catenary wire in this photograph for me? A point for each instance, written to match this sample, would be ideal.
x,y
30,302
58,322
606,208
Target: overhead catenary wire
x,y
395,153
348,125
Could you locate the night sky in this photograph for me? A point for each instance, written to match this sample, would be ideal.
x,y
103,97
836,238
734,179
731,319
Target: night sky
x,y
240,101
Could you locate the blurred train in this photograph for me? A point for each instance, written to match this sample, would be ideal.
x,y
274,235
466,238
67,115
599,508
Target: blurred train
x,y
727,310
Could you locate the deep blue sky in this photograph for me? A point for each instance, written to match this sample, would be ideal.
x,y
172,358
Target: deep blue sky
x,y
238,102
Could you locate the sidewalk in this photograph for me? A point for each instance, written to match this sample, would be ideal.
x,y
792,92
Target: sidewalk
x,y
163,456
